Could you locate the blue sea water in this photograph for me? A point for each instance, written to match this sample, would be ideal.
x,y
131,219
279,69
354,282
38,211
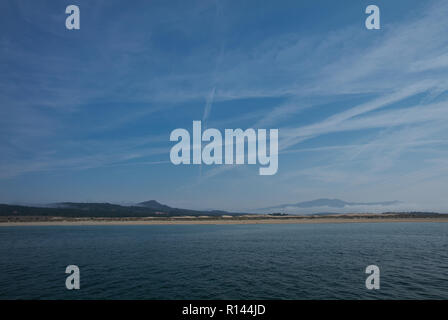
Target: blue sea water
x,y
296,261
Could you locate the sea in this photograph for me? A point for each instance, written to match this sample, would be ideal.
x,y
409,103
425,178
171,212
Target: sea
x,y
251,261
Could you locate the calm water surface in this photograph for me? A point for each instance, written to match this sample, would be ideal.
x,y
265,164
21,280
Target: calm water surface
x,y
300,261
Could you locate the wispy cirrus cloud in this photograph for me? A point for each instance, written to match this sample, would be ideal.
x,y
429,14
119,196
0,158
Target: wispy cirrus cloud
x,y
355,108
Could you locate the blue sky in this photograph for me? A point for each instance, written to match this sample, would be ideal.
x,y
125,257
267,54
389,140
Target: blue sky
x,y
362,114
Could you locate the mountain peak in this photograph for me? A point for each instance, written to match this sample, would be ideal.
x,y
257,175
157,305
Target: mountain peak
x,y
153,204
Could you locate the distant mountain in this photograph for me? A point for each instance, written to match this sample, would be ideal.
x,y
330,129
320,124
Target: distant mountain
x,y
150,208
331,203
153,204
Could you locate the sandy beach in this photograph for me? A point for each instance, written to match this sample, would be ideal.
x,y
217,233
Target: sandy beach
x,y
212,221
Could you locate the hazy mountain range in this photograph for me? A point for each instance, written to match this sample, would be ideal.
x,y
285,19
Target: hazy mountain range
x,y
331,203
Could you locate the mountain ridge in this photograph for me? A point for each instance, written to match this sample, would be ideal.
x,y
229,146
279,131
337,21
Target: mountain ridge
x,y
151,208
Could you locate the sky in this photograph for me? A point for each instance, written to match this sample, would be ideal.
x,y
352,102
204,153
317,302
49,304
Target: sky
x,y
86,115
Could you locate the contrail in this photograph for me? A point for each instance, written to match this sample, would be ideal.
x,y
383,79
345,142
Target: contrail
x,y
207,109
208,106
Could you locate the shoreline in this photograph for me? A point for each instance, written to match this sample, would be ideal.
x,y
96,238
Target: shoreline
x,y
212,221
